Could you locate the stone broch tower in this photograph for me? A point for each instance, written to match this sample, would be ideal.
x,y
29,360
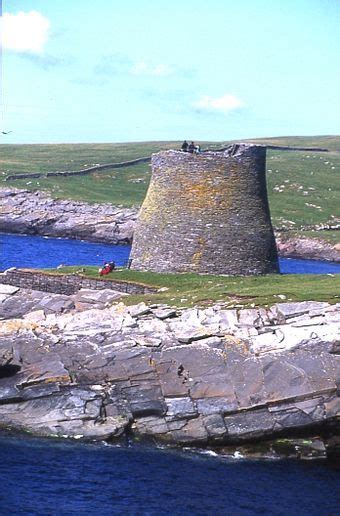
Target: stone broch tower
x,y
206,213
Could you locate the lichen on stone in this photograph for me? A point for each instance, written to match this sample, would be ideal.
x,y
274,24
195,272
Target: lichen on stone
x,y
207,213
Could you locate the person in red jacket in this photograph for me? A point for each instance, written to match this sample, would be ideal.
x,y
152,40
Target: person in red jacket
x,y
107,268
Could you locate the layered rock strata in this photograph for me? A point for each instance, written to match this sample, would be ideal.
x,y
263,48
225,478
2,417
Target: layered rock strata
x,y
35,213
202,377
206,213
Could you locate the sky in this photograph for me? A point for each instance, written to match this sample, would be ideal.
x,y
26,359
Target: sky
x,y
141,70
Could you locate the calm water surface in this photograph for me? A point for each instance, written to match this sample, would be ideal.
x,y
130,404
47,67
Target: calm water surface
x,y
37,251
41,477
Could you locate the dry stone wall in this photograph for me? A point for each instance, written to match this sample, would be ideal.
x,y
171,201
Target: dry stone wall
x,y
82,172
206,213
66,284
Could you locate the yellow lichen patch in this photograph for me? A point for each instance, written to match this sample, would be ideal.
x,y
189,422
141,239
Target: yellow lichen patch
x,y
60,379
231,340
196,258
206,193
119,308
14,325
151,203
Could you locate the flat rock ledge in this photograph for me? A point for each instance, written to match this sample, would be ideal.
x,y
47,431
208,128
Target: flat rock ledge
x,y
203,377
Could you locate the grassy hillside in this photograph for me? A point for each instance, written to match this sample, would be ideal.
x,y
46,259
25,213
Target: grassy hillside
x,y
72,156
204,290
303,187
125,186
331,143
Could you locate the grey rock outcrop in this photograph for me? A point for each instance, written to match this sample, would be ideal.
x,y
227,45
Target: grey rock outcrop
x,y
195,376
34,212
34,305
308,248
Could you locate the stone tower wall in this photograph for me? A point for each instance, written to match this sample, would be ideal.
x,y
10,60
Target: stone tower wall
x,y
206,213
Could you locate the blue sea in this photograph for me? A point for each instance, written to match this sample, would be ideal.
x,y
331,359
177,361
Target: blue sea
x,y
49,477
38,251
56,477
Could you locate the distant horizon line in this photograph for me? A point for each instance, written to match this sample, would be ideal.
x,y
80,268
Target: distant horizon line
x,y
175,141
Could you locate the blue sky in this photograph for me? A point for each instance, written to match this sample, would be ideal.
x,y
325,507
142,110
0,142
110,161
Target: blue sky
x,y
113,71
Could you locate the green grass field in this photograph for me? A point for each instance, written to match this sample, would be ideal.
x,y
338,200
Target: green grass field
x,y
185,290
125,186
303,187
52,157
327,142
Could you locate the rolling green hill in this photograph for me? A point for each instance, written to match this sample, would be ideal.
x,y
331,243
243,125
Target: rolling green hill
x,y
303,186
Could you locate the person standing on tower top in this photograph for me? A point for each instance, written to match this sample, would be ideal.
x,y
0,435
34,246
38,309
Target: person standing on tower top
x,y
185,146
191,148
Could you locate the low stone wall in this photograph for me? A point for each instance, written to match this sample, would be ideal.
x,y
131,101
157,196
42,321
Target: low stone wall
x,y
275,147
66,284
82,172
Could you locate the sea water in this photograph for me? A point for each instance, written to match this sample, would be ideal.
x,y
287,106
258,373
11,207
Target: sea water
x,y
50,477
40,252
56,477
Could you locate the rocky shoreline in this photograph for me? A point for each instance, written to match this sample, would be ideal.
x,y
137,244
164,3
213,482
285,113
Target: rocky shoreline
x,y
307,248
89,367
35,213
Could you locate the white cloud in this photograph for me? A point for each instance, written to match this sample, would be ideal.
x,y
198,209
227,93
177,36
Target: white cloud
x,y
161,69
139,68
25,32
225,104
142,68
